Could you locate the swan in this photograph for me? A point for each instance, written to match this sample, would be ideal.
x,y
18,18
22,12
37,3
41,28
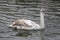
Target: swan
x,y
29,24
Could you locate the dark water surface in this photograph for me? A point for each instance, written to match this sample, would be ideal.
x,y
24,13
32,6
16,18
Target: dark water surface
x,y
52,23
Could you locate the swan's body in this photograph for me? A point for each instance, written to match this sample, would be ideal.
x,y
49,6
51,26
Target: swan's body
x,y
28,24
25,24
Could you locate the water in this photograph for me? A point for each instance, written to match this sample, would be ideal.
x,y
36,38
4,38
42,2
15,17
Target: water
x,y
52,23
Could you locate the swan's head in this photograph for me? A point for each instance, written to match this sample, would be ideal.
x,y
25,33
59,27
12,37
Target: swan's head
x,y
12,25
42,9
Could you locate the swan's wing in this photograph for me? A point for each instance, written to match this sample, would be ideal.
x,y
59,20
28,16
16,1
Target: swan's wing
x,y
28,22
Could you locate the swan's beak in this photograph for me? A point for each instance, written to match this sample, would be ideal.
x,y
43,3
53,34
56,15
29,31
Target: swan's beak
x,y
12,26
9,25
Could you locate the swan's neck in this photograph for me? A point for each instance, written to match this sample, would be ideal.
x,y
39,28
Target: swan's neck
x,y
42,19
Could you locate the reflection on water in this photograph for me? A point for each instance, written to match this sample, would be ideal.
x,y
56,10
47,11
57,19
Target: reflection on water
x,y
24,34
30,33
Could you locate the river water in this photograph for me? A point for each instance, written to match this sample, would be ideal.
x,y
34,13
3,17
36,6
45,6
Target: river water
x,y
52,24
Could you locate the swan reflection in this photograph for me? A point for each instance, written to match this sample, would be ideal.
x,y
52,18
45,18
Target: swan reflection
x,y
24,34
